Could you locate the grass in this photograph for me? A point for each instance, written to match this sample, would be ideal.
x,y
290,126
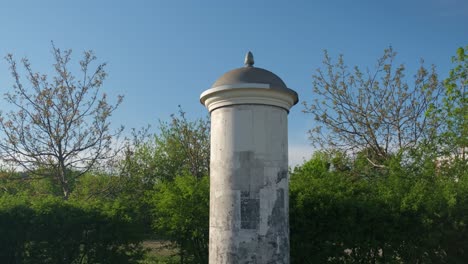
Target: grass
x,y
160,252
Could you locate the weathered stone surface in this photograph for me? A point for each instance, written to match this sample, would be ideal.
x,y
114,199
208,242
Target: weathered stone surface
x,y
249,185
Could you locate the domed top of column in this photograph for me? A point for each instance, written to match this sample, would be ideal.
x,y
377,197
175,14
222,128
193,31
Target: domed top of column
x,y
250,74
248,85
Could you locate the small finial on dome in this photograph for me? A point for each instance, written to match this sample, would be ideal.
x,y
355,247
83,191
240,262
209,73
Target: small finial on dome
x,y
249,59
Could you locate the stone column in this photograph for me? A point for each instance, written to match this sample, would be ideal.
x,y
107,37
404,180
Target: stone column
x,y
249,220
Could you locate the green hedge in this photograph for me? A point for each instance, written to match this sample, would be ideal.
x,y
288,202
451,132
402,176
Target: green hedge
x,y
51,230
403,214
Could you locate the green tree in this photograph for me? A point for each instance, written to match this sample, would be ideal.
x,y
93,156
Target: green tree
x,y
179,146
409,216
181,213
17,183
60,128
166,173
453,114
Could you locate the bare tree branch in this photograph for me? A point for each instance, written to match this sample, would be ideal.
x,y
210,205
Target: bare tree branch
x,y
60,129
378,110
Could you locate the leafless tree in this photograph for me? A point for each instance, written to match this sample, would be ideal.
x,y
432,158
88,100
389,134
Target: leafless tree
x,y
59,127
377,111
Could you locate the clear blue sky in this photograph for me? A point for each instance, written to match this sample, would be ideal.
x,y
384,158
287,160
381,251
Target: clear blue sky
x,y
165,53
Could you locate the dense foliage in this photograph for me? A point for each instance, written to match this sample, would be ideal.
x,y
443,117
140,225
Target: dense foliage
x,y
405,214
51,230
181,214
